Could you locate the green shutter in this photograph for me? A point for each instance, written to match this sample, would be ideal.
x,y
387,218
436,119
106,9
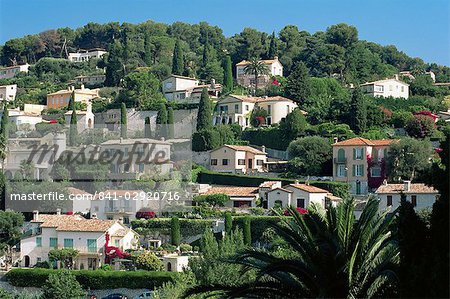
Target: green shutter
x,y
353,170
362,169
53,242
92,245
38,241
68,243
354,154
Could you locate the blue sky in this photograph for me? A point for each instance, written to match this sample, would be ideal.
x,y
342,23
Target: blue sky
x,y
418,27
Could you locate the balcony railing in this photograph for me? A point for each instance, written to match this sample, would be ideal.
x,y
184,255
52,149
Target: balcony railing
x,y
340,160
118,209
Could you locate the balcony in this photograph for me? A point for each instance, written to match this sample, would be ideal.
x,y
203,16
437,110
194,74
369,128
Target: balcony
x,y
118,210
340,160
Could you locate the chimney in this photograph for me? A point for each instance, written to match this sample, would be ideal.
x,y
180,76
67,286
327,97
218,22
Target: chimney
x,y
407,186
94,216
335,140
275,58
396,76
213,83
163,139
385,182
35,215
263,148
82,86
121,220
296,182
58,211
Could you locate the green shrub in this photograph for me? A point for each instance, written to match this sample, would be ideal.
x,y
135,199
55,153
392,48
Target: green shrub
x,y
185,247
94,279
258,224
188,227
147,260
247,231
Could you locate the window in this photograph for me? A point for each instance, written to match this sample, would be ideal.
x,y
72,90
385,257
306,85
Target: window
x,y
287,109
389,200
38,259
341,170
241,161
403,89
259,162
68,243
224,161
341,155
117,243
236,108
379,88
390,88
278,204
38,241
141,167
414,200
91,245
300,203
358,153
246,108
269,109
375,172
246,121
53,242
213,161
358,170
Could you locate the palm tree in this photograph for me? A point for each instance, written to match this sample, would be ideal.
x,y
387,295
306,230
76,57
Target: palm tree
x,y
331,256
257,68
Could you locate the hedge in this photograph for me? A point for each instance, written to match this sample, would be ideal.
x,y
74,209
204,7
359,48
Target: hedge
x,y
188,227
94,279
209,177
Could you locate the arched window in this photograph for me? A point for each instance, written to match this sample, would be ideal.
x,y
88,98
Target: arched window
x,y
169,267
278,204
341,155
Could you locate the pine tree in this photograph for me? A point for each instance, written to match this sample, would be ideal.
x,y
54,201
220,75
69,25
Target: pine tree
x,y
170,123
71,105
114,66
123,121
298,86
204,117
228,223
178,60
228,74
73,129
247,231
175,231
147,128
358,112
272,52
161,120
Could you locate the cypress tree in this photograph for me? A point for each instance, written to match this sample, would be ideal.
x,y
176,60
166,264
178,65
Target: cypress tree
x,y
228,223
247,231
177,60
170,125
272,52
123,121
114,66
204,117
161,120
358,112
71,105
298,85
73,129
147,128
228,75
175,231
5,124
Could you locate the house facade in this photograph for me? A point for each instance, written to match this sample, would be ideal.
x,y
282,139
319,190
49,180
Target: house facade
x,y
274,67
61,98
392,87
419,195
92,80
186,89
87,236
11,71
360,162
85,55
295,195
240,197
277,108
85,119
8,92
237,159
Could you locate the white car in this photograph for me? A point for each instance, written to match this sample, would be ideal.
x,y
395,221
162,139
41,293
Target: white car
x,y
146,295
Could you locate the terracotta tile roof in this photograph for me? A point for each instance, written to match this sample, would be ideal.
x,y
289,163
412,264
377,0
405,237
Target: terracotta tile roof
x,y
74,223
244,98
233,191
181,77
364,141
398,188
274,99
308,188
120,232
267,61
268,184
331,197
245,148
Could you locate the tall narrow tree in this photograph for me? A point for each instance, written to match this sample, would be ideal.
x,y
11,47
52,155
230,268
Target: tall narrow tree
x,y
170,123
147,128
204,117
272,52
161,120
123,121
175,231
228,74
71,105
114,67
358,112
298,86
73,129
178,59
4,133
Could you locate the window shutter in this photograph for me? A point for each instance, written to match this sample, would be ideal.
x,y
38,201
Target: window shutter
x,y
354,154
362,169
353,170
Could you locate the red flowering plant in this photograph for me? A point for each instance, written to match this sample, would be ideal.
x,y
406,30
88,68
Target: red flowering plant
x,y
375,182
112,252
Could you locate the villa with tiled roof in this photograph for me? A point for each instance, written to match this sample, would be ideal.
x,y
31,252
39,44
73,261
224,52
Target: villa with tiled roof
x,y
361,163
274,68
88,236
237,159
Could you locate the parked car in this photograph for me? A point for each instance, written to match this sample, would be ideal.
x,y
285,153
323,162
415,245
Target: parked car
x,y
115,296
146,295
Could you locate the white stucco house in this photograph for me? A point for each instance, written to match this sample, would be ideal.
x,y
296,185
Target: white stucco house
x,y
85,55
85,119
46,232
420,195
8,92
186,89
295,195
237,159
274,68
11,71
175,262
391,87
240,197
